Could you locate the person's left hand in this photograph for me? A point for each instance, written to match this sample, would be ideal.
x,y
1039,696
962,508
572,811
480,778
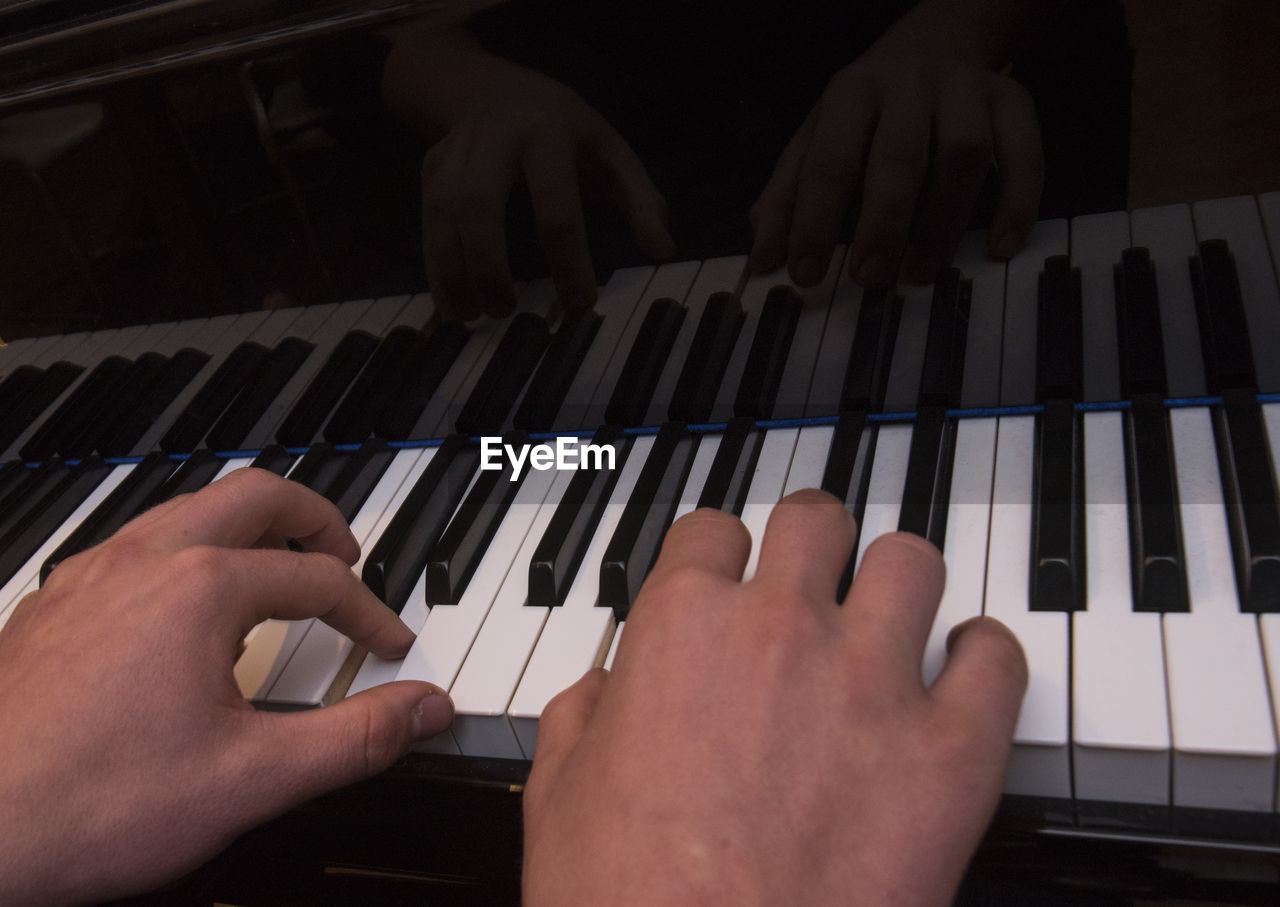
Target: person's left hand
x,y
909,137
128,754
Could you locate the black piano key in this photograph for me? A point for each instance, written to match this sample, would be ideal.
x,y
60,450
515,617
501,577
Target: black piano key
x,y
454,558
126,394
400,413
565,354
179,371
505,375
389,366
123,504
709,354
318,468
36,400
767,358
48,511
867,376
847,476
268,380
208,404
565,541
395,562
943,370
1224,328
644,363
733,467
1057,520
1249,491
66,422
16,387
634,546
361,470
12,475
30,485
190,475
274,458
926,492
1060,337
309,414
1138,331
1155,523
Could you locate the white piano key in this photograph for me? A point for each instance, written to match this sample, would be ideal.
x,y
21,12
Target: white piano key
x,y
1269,624
616,304
1040,762
1120,723
981,384
693,284
832,359
1237,221
766,487
809,460
1098,242
493,667
964,548
576,634
1219,708
1169,235
1021,311
798,374
708,445
613,646
884,491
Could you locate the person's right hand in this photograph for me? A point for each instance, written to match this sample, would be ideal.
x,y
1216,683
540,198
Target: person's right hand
x,y
543,134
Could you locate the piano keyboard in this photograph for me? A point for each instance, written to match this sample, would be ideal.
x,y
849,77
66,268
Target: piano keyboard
x,y
1103,483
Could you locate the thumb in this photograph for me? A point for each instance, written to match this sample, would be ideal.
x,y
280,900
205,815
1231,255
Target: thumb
x,y
300,755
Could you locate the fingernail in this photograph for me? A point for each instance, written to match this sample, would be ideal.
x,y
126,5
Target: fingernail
x,y
808,271
432,714
874,270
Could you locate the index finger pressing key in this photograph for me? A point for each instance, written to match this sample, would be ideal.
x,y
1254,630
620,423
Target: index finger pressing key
x,y
241,508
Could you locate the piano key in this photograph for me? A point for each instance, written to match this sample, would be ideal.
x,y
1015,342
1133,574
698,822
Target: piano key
x,y
703,461
1018,370
623,302
635,543
564,543
48,510
214,397
312,409
942,371
1159,578
886,478
401,413
22,495
565,354
1219,710
492,399
739,450
767,356
362,469
1168,233
1098,242
76,410
809,460
902,388
378,383
1057,576
1236,220
179,371
1121,745
867,373
1250,495
644,362
195,472
281,363
1138,334
712,345
832,359
752,297
32,395
795,388
927,486
983,354
576,634
1059,344
1039,765
1224,328
395,562
451,629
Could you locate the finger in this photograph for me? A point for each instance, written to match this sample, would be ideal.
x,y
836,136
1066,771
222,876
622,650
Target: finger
x,y
895,595
441,245
248,505
806,544
635,195
286,585
832,165
480,216
1020,159
705,540
288,758
961,161
982,683
564,719
771,213
894,176
551,172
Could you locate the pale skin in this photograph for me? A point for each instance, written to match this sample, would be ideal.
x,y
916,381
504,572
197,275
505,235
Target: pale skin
x,y
906,133
129,756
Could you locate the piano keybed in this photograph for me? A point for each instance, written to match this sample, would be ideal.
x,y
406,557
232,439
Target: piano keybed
x,y
938,409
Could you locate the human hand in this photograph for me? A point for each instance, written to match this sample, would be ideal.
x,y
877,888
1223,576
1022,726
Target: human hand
x,y
755,743
128,754
910,134
535,130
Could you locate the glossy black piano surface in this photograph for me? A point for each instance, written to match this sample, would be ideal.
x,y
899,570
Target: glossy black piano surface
x,y
217,158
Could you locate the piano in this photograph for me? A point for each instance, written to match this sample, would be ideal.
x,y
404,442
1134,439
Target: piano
x,y
1087,432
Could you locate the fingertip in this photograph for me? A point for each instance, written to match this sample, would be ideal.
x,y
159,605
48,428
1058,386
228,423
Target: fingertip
x,y
1001,647
432,714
